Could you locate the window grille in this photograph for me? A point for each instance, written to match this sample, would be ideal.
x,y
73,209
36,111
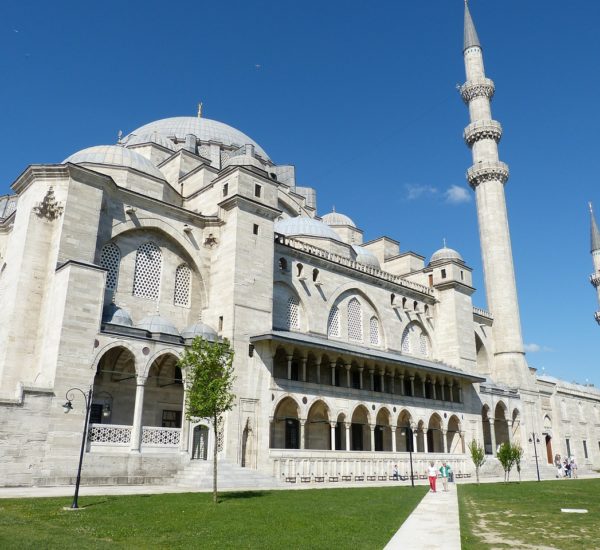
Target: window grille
x,y
110,258
406,337
183,280
333,323
374,331
148,267
293,313
423,345
355,328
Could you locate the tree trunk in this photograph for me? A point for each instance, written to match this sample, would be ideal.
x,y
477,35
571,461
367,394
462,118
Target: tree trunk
x,y
477,474
215,446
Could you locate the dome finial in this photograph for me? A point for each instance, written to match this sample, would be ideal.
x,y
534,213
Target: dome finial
x,y
444,239
200,110
119,136
333,208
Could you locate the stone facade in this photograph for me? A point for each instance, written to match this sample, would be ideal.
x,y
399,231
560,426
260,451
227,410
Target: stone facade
x,y
348,355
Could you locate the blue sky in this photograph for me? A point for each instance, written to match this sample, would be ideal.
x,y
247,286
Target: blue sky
x,y
361,97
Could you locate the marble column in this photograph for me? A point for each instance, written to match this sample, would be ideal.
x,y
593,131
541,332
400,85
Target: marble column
x,y
392,382
425,440
136,429
302,433
492,434
445,440
289,366
360,376
333,425
382,378
318,368
372,426
443,386
348,375
412,386
332,365
303,363
433,392
402,384
451,385
347,425
393,428
372,378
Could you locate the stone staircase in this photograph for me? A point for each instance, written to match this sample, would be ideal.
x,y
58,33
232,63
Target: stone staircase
x,y
198,475
493,468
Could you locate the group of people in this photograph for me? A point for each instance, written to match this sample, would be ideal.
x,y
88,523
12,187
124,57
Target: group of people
x,y
565,467
445,472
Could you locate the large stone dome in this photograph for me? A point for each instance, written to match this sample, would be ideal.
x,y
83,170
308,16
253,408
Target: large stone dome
x,y
304,226
115,155
204,129
154,137
200,329
365,257
335,218
156,323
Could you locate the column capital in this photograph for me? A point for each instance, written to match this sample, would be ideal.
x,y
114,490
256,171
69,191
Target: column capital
x,y
140,380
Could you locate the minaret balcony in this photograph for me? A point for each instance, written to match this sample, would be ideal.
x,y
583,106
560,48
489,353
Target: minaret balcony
x,y
597,316
487,171
477,88
595,279
482,129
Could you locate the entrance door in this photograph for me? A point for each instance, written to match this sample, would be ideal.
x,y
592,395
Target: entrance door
x,y
200,443
549,453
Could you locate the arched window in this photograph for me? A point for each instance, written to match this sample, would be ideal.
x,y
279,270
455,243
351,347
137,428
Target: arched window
x,y
423,345
415,341
293,313
333,322
148,268
355,324
374,331
110,258
183,285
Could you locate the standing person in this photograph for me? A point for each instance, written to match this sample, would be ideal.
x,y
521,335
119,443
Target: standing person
x,y
573,468
432,474
445,471
395,472
567,467
558,466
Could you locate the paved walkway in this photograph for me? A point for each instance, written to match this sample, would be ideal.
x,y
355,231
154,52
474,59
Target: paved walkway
x,y
433,525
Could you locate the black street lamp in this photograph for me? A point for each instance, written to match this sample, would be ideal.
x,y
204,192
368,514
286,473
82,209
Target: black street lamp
x,y
408,431
535,440
68,407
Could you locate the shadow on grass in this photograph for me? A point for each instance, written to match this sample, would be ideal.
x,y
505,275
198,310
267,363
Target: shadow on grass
x,y
241,495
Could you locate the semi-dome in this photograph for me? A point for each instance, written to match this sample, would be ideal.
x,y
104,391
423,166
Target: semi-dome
x,y
204,129
335,218
200,329
114,315
154,137
115,155
445,254
366,257
156,323
302,225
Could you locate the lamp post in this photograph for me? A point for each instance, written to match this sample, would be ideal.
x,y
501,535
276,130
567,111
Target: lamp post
x,y
68,407
408,431
535,440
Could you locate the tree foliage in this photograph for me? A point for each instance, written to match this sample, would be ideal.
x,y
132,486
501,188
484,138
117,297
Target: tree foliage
x,y
477,456
506,456
518,453
209,384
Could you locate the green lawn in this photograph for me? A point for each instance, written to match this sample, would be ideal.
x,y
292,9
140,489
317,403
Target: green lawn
x,y
320,518
513,515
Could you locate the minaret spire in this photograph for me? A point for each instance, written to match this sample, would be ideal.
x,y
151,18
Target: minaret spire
x,y
471,39
595,246
487,177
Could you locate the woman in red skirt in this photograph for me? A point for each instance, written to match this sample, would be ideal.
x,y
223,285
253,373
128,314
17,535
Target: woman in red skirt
x,y
432,472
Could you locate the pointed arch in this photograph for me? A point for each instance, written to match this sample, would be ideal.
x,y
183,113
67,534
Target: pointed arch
x,y
415,340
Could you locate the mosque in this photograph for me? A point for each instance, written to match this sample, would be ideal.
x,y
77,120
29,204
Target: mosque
x,y
350,356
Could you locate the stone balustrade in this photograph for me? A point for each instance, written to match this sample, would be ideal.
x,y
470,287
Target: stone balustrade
x,y
475,88
482,129
120,436
347,262
109,435
487,171
160,437
483,313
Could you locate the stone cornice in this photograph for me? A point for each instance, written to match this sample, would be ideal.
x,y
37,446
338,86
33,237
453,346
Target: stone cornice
x,y
248,204
487,171
481,87
482,129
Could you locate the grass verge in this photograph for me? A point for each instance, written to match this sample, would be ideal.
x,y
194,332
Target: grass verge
x,y
332,518
528,515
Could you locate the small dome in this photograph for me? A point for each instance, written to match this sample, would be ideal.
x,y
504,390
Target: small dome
x,y
308,227
115,315
445,254
204,129
115,155
335,218
156,323
200,329
366,257
154,137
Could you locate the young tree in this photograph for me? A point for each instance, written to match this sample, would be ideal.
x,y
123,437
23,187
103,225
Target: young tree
x,y
506,456
477,456
209,381
518,452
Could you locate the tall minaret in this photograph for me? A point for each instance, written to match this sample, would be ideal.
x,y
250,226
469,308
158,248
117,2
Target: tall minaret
x,y
595,246
487,177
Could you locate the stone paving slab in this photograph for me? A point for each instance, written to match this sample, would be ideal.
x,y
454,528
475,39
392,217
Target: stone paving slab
x,y
433,525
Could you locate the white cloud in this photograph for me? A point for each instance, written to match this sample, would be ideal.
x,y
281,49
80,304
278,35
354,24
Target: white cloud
x,y
535,348
416,191
457,195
